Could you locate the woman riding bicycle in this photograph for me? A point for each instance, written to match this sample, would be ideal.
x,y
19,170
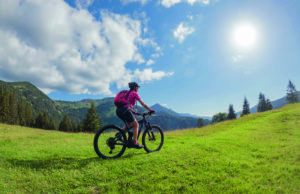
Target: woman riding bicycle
x,y
125,112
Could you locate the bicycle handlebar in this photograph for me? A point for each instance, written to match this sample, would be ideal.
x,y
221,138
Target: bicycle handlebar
x,y
144,114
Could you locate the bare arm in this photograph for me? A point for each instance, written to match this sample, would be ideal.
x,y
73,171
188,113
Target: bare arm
x,y
144,105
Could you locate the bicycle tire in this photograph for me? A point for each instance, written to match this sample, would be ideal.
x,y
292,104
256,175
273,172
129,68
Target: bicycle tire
x,y
107,134
155,130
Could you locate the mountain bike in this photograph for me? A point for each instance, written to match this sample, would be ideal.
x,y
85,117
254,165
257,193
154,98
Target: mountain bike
x,y
111,141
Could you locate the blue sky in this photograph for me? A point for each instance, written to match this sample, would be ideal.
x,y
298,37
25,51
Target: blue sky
x,y
193,56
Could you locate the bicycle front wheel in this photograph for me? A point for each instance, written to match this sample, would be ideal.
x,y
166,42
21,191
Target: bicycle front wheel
x,y
110,142
153,139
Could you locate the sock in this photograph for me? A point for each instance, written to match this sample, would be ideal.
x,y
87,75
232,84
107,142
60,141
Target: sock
x,y
134,142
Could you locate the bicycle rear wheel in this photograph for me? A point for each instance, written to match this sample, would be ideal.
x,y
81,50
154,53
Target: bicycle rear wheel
x,y
110,142
153,139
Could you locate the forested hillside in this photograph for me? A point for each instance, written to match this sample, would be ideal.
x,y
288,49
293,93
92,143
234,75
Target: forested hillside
x,y
44,108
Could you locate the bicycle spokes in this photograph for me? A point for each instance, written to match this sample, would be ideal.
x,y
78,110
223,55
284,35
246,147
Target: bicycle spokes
x,y
110,143
153,139
151,136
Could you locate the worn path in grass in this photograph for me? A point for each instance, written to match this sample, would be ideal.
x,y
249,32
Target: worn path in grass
x,y
258,153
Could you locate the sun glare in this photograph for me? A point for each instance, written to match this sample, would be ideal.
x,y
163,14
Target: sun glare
x,y
245,36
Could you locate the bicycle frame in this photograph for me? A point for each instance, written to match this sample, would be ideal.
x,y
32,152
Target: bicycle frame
x,y
142,122
117,137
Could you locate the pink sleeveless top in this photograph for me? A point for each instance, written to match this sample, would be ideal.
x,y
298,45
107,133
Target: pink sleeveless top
x,y
132,98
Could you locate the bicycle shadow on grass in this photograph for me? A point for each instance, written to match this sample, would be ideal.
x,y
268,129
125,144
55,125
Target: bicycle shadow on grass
x,y
66,163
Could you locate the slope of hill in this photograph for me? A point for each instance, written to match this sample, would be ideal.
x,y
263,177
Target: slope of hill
x,y
39,101
166,118
276,104
258,153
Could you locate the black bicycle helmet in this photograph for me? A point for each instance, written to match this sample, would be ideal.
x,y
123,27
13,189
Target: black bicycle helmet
x,y
133,85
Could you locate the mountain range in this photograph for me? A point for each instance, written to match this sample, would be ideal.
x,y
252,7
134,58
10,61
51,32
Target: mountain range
x,y
165,117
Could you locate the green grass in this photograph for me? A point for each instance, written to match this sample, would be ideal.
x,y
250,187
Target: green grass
x,y
258,153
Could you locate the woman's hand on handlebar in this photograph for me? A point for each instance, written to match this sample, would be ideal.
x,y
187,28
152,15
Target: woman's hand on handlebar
x,y
152,112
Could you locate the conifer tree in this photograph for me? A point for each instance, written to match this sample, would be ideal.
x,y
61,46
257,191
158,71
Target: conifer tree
x,y
261,107
74,127
2,104
4,107
91,122
246,107
52,124
292,94
269,105
28,115
13,109
21,111
45,121
6,115
200,122
231,113
264,104
39,123
80,126
65,124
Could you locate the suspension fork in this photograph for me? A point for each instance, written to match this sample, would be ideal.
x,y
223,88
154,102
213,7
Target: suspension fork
x,y
149,131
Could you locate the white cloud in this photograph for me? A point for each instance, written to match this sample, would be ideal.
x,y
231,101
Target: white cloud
x,y
170,3
182,31
143,2
150,62
148,75
84,4
60,48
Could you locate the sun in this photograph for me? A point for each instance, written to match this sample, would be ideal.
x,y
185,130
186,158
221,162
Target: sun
x,y
245,36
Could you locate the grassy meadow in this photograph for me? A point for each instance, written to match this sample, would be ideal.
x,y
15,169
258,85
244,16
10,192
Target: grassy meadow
x,y
259,153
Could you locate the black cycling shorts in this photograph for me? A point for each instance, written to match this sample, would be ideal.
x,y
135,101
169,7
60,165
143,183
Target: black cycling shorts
x,y
125,114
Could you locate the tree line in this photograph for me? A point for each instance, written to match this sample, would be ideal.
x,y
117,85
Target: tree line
x,y
91,123
20,112
263,105
13,111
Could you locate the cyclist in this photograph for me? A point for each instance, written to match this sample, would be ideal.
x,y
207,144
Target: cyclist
x,y
125,112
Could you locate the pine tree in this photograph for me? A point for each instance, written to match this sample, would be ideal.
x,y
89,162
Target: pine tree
x,y
292,94
45,121
52,124
13,109
200,122
65,124
1,104
264,104
74,127
269,105
6,116
246,107
91,122
231,113
28,115
21,111
261,107
80,126
39,123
